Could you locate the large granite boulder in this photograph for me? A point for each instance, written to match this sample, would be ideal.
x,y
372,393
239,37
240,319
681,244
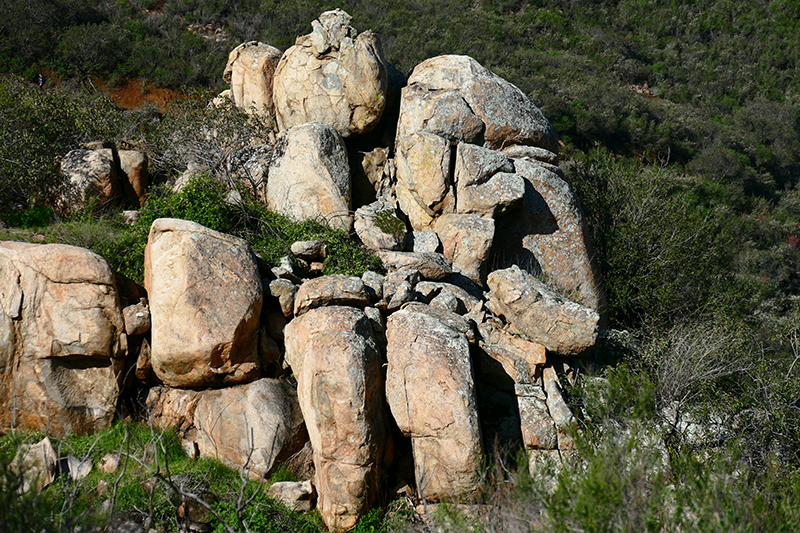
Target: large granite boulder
x,y
205,303
309,177
333,75
431,393
62,339
453,96
254,426
542,315
250,71
334,357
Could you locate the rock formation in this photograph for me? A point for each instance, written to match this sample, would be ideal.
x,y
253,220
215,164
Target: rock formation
x,y
467,210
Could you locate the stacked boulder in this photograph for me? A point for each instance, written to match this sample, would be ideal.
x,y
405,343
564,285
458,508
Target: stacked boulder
x,y
454,352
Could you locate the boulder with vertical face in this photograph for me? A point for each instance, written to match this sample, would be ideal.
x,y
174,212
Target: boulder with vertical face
x,y
62,339
250,71
205,302
334,357
431,393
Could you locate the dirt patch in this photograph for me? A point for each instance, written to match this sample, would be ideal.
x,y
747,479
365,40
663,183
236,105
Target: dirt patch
x,y
133,94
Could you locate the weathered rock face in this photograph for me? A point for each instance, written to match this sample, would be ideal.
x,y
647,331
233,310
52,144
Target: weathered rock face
x,y
334,357
205,302
543,316
432,102
430,390
249,72
334,76
550,232
423,177
253,425
88,174
62,339
310,176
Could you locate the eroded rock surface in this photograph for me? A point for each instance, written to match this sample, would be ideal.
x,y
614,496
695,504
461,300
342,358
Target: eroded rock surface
x,y
334,75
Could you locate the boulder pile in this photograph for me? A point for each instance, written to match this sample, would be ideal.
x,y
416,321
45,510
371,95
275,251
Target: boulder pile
x,y
412,376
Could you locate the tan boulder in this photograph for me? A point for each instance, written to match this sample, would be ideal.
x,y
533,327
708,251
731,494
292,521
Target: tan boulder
x,y
330,290
423,173
431,393
333,355
196,340
296,495
135,176
136,318
486,182
333,75
62,339
309,177
254,426
250,72
542,315
509,117
467,242
550,233
88,174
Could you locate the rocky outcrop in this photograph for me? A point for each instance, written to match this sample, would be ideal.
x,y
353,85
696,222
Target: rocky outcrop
x,y
333,354
62,339
430,390
196,342
333,75
250,72
309,177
